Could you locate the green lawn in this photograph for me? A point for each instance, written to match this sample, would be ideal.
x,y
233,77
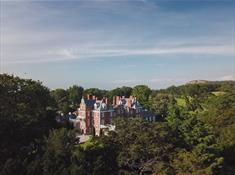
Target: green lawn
x,y
218,93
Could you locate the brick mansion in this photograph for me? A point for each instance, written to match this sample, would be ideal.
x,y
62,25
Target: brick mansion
x,y
96,115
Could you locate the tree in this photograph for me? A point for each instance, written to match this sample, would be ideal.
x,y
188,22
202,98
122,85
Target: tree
x,y
123,91
53,156
160,103
134,155
142,93
220,114
61,98
75,95
198,151
185,141
95,91
26,114
98,157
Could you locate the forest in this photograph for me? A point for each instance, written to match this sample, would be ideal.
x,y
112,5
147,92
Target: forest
x,y
194,133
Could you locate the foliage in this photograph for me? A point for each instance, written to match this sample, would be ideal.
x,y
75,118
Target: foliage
x,y
142,93
134,155
194,135
95,91
220,114
123,91
61,98
26,114
160,103
56,153
199,150
181,102
97,158
75,95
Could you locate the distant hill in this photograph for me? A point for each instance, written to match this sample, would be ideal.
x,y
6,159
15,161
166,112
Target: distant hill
x,y
201,87
209,82
198,82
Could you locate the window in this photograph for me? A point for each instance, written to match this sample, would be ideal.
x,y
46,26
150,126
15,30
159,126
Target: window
x,y
102,121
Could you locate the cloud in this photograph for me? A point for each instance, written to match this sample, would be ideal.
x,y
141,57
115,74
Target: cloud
x,y
112,52
152,81
106,52
96,30
227,77
126,81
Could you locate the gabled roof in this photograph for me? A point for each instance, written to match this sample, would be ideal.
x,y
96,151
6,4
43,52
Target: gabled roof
x,y
89,103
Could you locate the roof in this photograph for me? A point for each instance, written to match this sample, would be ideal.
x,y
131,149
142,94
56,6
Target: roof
x,y
99,105
90,103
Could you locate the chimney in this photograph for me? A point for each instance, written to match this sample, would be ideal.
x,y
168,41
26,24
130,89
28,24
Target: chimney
x,y
89,97
106,101
129,102
117,100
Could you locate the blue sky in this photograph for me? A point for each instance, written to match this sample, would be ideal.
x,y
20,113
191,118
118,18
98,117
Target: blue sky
x,y
107,44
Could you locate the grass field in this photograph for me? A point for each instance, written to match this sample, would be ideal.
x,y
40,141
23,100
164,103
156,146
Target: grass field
x,y
218,93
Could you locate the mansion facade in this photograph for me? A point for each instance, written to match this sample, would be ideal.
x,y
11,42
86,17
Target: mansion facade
x,y
96,116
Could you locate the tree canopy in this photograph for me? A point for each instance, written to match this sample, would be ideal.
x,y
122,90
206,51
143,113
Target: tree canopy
x,y
194,133
27,113
142,93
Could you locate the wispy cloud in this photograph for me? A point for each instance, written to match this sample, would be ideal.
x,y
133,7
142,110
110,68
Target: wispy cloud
x,y
126,81
227,77
86,31
95,53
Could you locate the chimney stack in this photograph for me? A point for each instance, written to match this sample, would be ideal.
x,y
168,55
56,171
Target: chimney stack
x,y
117,100
114,100
88,96
129,102
107,101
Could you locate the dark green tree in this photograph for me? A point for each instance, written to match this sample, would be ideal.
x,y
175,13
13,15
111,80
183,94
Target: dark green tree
x,y
75,95
198,151
142,146
160,102
95,91
123,91
142,93
54,155
26,114
61,98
